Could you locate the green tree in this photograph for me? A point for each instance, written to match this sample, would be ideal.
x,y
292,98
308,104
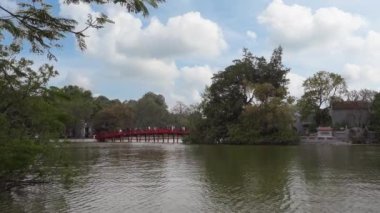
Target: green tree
x,y
35,22
319,90
28,118
268,120
114,117
249,80
28,110
151,111
79,106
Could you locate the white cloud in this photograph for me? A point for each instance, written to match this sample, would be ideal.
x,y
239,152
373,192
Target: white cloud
x,y
362,76
149,53
325,39
197,75
297,26
182,36
251,35
79,12
193,81
295,85
78,79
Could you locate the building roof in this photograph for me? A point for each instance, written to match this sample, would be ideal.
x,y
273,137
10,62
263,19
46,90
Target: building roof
x,y
350,105
325,128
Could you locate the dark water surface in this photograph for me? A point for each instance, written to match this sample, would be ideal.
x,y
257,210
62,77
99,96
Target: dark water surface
x,y
179,178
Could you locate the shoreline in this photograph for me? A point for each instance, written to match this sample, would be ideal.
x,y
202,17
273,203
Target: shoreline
x,y
303,141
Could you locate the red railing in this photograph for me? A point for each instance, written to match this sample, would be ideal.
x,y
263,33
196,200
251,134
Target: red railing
x,y
138,133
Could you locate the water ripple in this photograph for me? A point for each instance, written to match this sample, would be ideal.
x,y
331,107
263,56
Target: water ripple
x,y
178,178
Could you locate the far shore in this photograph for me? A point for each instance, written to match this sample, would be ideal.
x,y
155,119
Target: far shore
x,y
304,140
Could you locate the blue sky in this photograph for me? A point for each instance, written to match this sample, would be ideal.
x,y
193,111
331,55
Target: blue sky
x,y
177,48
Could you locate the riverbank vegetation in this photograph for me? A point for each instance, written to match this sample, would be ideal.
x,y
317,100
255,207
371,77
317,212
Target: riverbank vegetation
x,y
247,102
31,114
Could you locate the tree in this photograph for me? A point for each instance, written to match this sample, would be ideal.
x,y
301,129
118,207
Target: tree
x,y
361,95
114,117
151,111
79,106
28,119
180,114
30,116
247,82
319,90
34,22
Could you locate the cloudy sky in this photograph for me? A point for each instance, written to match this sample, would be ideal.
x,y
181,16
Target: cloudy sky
x,y
177,48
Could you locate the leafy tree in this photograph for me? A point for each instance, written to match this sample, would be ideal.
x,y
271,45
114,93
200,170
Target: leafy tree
x,y
114,117
248,81
79,106
101,102
268,120
151,111
27,117
20,87
319,90
28,110
35,22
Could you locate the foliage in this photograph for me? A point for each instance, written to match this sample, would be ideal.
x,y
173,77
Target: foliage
x,y
27,116
180,114
31,115
240,93
35,22
269,121
114,117
319,91
151,111
361,95
78,104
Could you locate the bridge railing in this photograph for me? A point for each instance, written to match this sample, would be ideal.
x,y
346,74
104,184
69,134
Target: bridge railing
x,y
103,136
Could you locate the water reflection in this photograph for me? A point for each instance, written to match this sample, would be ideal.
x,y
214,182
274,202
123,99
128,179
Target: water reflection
x,y
177,178
242,178
339,178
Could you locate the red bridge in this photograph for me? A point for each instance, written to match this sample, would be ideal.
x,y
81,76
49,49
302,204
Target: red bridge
x,y
143,135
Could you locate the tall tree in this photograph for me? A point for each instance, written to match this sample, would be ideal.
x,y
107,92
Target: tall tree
x,y
114,117
27,117
27,113
319,90
361,95
151,111
79,106
235,88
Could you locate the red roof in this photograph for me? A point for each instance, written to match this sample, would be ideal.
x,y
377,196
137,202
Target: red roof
x,y
324,129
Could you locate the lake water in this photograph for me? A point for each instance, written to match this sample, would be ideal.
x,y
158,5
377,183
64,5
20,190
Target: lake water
x,y
122,177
